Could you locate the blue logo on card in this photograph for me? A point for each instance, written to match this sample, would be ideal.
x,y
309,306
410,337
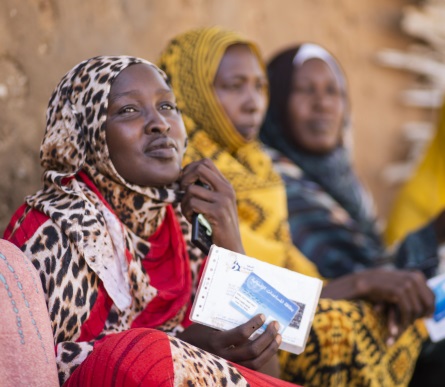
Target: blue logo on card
x,y
439,291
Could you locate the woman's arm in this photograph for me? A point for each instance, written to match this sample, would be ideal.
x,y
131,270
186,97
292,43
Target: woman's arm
x,y
218,205
403,290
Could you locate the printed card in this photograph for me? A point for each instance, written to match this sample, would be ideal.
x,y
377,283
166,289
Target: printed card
x,y
257,296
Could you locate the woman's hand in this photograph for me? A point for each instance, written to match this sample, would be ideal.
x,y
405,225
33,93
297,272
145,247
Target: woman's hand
x,y
404,292
217,204
234,344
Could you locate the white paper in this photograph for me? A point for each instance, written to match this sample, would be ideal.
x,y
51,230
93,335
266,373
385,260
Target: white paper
x,y
224,274
436,325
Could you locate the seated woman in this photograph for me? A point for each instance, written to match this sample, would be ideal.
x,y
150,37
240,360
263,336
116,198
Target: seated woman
x,y
112,248
221,86
331,215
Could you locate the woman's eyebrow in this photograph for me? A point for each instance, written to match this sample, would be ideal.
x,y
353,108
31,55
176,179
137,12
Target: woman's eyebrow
x,y
137,92
165,91
243,77
129,93
235,76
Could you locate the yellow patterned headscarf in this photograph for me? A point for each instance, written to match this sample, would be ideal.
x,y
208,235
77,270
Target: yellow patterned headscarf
x,y
423,196
191,61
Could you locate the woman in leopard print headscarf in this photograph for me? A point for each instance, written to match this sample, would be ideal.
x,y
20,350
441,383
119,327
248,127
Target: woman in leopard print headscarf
x,y
108,238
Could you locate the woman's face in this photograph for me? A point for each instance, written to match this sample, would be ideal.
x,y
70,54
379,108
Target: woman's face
x,y
316,108
144,130
241,88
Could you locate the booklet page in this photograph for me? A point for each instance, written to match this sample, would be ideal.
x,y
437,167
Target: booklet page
x,y
235,287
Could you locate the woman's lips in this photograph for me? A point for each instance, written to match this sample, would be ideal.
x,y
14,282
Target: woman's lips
x,y
321,125
249,132
162,148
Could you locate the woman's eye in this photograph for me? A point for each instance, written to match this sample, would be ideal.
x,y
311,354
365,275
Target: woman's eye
x,y
332,90
261,86
233,86
168,106
127,109
304,90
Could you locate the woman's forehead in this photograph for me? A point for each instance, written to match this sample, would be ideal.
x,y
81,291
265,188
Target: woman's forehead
x,y
316,67
139,77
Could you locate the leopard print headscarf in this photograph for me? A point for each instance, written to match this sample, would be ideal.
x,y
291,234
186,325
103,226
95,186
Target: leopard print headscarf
x,y
74,141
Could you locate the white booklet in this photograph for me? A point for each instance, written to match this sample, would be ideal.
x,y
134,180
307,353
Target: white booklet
x,y
234,288
436,324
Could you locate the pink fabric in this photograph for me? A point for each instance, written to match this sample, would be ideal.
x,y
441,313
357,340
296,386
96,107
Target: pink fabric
x,y
26,342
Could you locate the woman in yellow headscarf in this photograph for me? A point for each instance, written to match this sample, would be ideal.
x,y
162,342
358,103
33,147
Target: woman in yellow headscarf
x,y
423,196
223,111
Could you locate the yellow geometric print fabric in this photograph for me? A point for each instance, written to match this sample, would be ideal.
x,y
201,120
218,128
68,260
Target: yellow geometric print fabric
x,y
346,347
423,196
346,344
260,198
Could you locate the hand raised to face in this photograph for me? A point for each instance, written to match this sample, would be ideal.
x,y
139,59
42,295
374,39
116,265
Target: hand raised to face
x,y
217,204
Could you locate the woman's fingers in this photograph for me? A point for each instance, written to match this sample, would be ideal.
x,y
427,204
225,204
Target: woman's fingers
x,y
214,206
219,193
405,308
393,327
234,344
205,171
406,290
240,334
251,350
250,353
257,362
426,295
415,299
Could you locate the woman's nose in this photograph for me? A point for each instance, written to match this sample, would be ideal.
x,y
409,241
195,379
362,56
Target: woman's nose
x,y
156,123
323,100
253,101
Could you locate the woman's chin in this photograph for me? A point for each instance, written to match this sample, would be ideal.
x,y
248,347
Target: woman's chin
x,y
158,180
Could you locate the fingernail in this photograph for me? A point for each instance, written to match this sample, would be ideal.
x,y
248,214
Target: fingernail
x,y
390,341
394,330
263,318
276,325
278,339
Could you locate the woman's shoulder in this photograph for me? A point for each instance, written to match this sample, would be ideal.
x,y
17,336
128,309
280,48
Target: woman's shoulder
x,y
282,164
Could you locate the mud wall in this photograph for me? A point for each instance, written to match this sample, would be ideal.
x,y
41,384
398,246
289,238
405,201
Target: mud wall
x,y
41,39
